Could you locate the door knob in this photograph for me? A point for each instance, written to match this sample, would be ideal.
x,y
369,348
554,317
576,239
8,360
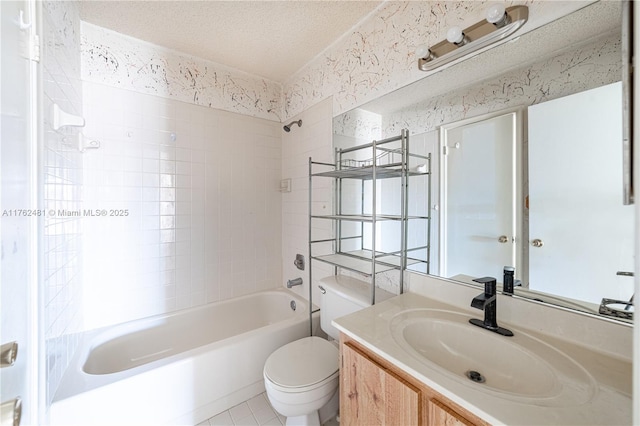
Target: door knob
x,y
503,239
537,242
11,412
8,354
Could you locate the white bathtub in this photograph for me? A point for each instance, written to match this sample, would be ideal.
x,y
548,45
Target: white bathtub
x,y
180,368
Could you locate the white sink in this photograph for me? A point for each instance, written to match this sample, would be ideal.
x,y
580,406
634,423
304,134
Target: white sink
x,y
522,368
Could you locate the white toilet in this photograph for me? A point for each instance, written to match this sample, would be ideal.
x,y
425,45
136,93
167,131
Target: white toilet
x,y
301,377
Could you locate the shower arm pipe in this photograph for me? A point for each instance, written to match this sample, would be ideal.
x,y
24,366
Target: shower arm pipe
x,y
287,127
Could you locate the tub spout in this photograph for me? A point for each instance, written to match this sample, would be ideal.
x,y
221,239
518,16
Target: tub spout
x,y
294,282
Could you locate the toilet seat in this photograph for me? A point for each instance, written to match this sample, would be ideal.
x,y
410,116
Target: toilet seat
x,y
302,365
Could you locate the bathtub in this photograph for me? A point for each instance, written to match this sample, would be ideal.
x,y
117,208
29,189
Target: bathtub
x,y
179,368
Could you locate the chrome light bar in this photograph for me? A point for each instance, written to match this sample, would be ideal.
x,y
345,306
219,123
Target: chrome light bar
x,y
477,36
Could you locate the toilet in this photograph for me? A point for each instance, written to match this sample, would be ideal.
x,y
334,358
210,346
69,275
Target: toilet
x,y
302,377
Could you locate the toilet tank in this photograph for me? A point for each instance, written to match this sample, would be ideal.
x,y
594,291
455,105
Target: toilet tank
x,y
344,295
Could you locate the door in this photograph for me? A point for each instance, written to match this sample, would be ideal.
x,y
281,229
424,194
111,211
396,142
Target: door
x,y
478,190
17,223
584,134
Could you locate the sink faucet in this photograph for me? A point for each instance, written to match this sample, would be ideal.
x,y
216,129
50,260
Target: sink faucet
x,y
487,302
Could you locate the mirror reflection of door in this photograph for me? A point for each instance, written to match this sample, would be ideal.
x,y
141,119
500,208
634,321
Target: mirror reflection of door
x,y
478,197
575,157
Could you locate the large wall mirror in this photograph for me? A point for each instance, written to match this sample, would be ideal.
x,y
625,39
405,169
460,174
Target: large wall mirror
x,y
527,170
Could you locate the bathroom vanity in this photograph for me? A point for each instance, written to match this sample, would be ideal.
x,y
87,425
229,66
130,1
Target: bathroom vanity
x,y
374,391
417,360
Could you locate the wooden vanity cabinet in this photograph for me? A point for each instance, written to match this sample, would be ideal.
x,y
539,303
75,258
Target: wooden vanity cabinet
x,y
374,392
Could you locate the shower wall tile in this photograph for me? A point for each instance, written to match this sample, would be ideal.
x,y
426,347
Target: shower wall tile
x,y
201,190
120,61
62,177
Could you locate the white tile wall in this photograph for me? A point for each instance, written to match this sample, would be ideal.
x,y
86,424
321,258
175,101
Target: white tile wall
x,y
201,190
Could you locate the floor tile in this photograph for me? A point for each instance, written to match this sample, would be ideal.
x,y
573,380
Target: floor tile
x,y
246,421
222,419
273,422
264,415
240,411
258,403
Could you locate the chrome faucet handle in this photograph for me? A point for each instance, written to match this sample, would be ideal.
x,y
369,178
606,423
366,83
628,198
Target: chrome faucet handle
x,y
299,262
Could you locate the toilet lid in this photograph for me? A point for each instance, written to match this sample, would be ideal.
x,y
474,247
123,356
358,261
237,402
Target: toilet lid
x,y
302,363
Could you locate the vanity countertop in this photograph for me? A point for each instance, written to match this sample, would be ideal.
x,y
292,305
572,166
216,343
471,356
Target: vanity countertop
x,y
608,394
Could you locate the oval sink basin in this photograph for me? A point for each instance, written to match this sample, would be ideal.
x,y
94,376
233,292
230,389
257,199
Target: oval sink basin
x,y
521,367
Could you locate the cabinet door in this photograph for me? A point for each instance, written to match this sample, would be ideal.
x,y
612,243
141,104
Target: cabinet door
x,y
371,395
441,415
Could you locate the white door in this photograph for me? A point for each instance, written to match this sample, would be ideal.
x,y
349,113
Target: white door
x,y
575,164
478,198
16,226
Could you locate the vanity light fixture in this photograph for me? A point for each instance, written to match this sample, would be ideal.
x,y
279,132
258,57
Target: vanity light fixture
x,y
499,24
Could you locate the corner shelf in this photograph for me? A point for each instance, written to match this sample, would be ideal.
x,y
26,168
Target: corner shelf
x,y
384,159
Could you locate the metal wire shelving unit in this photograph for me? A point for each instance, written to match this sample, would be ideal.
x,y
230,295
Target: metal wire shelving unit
x,y
385,159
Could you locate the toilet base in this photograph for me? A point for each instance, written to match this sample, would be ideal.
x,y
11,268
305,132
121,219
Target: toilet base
x,y
317,417
311,419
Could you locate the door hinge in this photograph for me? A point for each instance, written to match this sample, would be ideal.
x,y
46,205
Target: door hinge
x,y
34,53
445,150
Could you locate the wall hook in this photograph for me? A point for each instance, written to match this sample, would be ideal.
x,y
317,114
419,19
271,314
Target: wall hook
x,y
23,25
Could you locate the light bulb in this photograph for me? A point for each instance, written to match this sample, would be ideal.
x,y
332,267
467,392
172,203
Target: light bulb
x,y
455,35
423,51
496,14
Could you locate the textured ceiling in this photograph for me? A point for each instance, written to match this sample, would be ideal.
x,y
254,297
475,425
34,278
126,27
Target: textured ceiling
x,y
271,39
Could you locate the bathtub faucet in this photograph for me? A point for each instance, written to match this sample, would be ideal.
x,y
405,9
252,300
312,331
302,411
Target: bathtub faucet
x,y
294,282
